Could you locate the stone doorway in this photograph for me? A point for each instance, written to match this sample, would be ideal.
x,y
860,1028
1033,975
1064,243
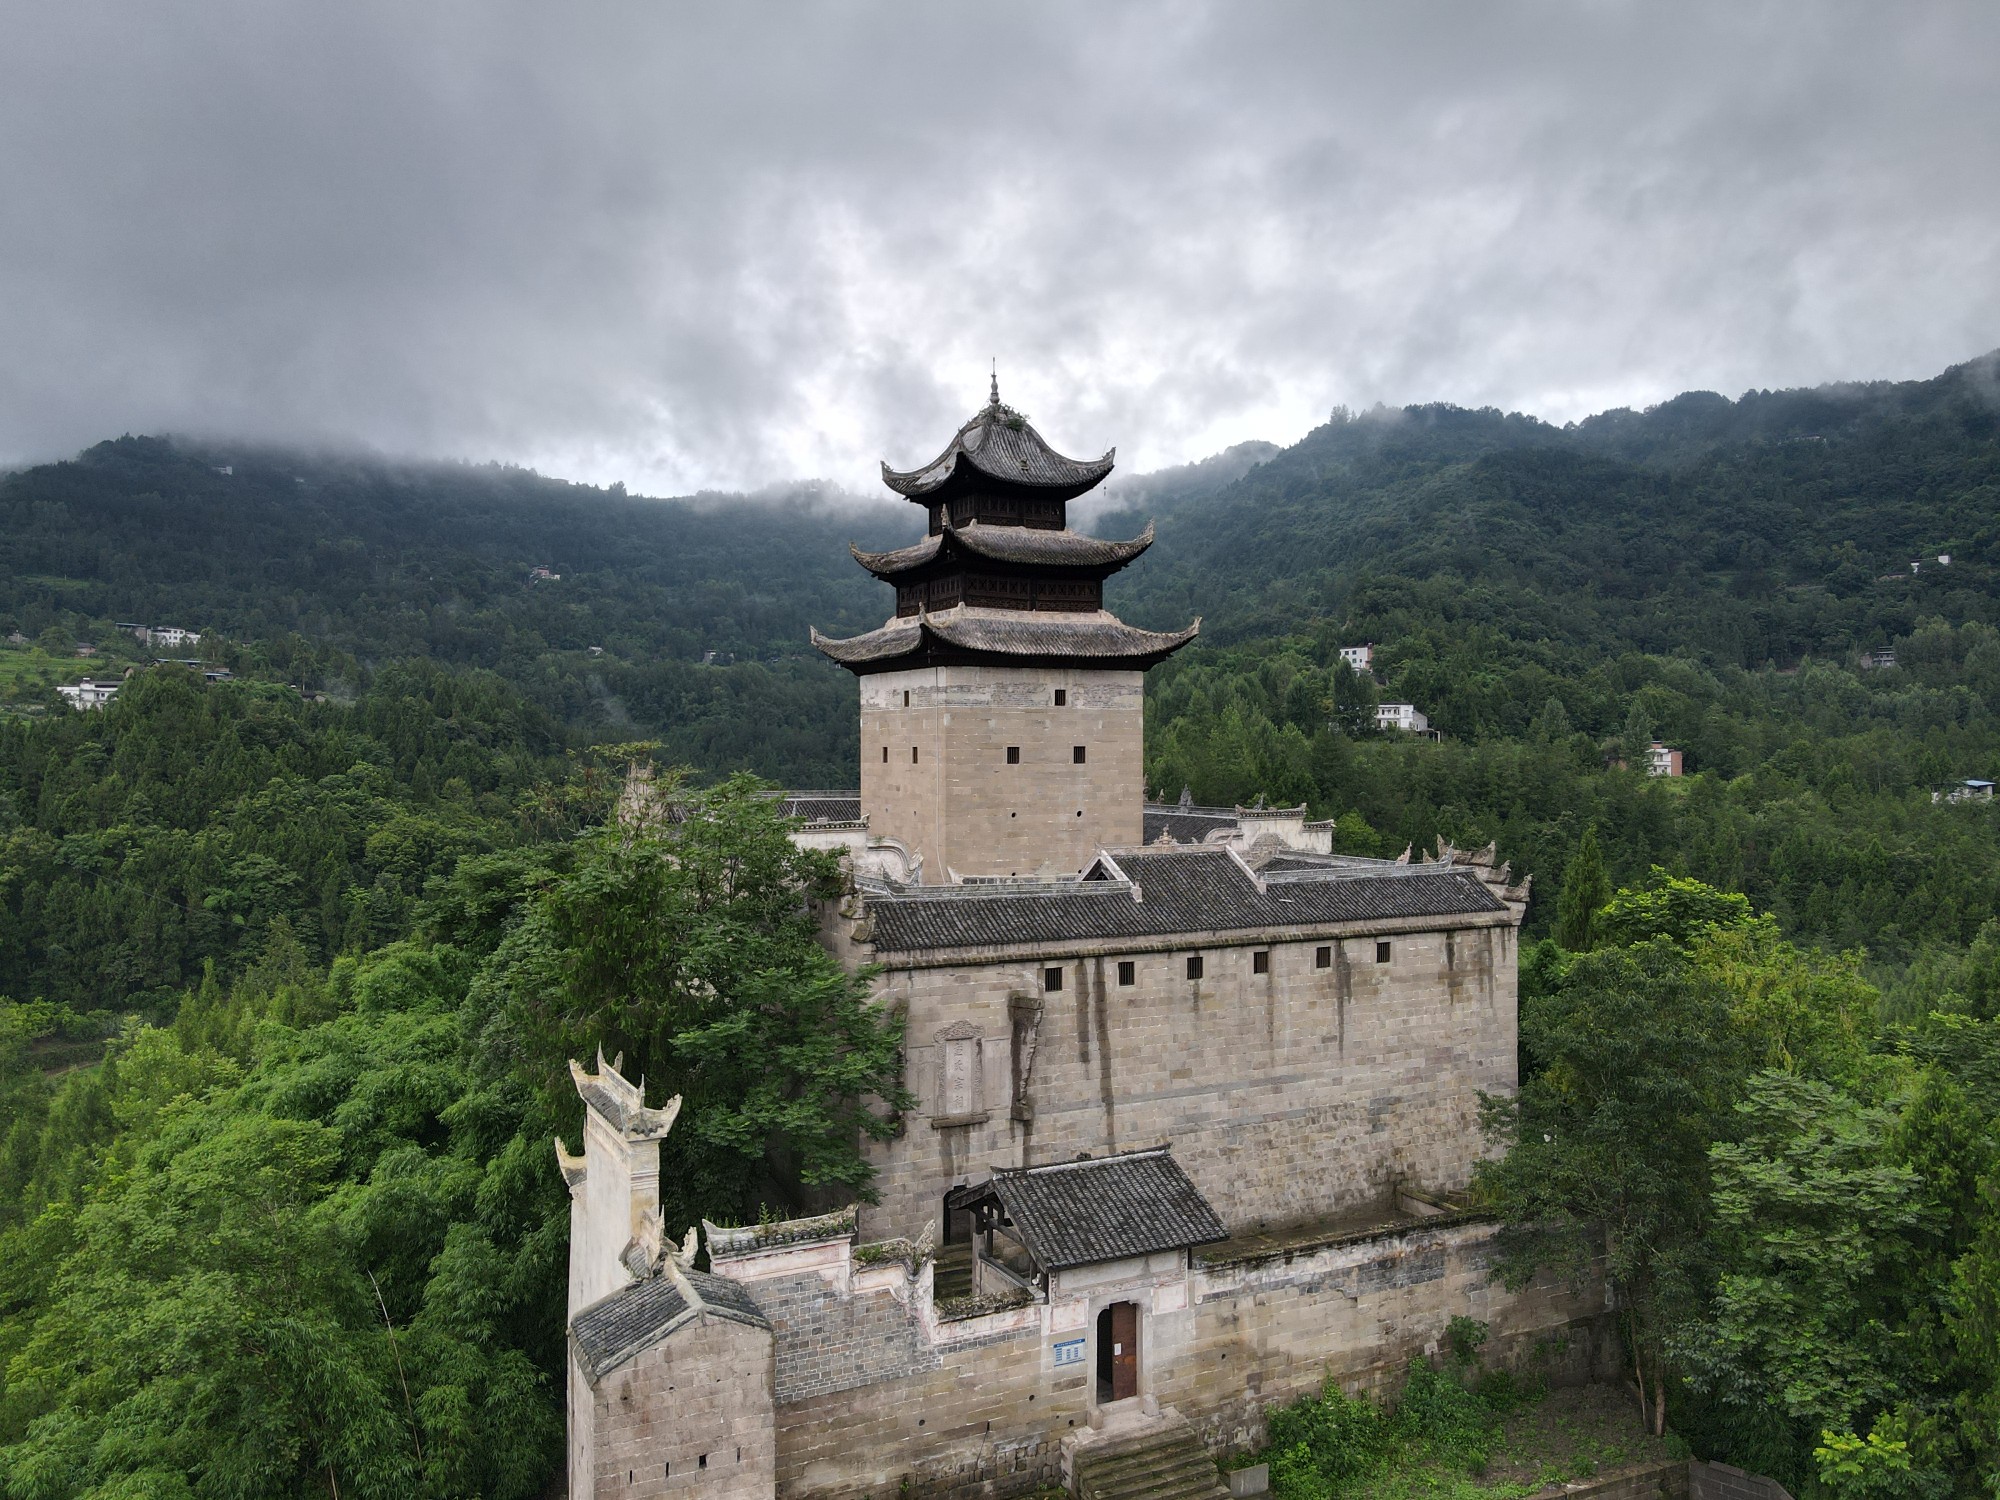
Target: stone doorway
x,y
957,1221
1118,1352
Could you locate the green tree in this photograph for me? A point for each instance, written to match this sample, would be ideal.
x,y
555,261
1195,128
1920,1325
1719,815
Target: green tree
x,y
1637,740
691,947
1812,1221
1585,889
1672,907
209,1336
1972,1318
1877,1467
1607,1144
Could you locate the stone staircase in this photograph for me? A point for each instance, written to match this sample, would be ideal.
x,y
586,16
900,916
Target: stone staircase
x,y
1158,1459
952,1272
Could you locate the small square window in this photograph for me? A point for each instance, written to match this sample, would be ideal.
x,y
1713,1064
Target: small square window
x,y
1076,754
701,1461
1322,958
1194,966
1260,961
1062,697
1013,755
1128,972
1052,980
1381,953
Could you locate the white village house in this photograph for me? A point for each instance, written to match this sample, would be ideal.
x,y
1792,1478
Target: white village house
x,y
89,693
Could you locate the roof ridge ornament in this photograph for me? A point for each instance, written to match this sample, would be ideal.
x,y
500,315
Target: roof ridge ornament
x,y
993,395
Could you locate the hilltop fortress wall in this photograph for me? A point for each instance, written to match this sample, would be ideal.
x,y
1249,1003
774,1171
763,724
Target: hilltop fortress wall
x,y
1196,1098
874,1385
1351,1065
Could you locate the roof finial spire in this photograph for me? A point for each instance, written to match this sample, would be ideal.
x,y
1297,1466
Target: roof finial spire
x,y
993,397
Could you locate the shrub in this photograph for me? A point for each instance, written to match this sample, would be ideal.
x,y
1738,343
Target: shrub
x,y
1320,1443
1438,1409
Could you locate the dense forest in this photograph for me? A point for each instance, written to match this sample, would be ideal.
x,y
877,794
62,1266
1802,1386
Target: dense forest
x,y
291,959
687,618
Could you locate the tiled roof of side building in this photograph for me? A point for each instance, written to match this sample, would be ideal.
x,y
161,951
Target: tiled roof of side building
x,y
823,806
1179,890
1082,1212
1189,825
614,1328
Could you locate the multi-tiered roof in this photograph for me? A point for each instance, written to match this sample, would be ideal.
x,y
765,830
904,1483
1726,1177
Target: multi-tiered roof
x,y
999,577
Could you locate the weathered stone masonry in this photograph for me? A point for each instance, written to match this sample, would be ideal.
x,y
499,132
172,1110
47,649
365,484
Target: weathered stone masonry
x,y
1196,1098
978,1405
1288,1094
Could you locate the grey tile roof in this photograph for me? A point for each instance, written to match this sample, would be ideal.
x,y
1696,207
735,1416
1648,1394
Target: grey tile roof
x,y
1186,825
968,633
1078,1213
823,807
999,443
616,1327
728,1297
1009,544
1182,890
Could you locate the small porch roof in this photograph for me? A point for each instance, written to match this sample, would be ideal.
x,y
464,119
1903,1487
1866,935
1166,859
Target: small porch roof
x,y
1078,1213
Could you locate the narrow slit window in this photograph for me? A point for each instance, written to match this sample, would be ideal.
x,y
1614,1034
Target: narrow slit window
x,y
1062,697
1381,953
1128,972
1076,753
885,755
913,755
701,1461
1260,961
1194,966
1052,980
1013,755
906,697
1323,958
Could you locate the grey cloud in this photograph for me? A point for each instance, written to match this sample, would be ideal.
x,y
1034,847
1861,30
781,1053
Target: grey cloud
x,y
728,245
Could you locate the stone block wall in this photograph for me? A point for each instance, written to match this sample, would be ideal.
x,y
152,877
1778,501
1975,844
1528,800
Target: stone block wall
x,y
985,1420
874,1391
935,774
1267,1330
1667,1481
1298,1092
1727,1482
690,1417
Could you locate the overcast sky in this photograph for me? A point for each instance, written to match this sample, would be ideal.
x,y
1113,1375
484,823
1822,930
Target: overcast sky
x,y
735,244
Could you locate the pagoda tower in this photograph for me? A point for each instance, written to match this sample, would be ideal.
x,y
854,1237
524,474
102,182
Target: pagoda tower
x,y
1002,726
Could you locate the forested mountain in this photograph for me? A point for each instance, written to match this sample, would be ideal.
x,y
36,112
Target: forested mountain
x,y
1708,572
317,569
289,963
1741,532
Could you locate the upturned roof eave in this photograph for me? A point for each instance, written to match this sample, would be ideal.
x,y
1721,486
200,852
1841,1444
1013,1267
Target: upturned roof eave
x,y
956,545
976,448
966,473
926,640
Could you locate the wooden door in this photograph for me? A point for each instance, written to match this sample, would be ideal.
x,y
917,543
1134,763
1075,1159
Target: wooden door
x,y
1124,1350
